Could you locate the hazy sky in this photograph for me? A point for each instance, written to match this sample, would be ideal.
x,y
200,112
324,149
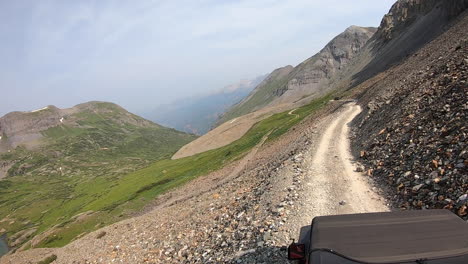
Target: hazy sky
x,y
143,53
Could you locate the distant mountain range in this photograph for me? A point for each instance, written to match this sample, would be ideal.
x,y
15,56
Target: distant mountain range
x,y
197,115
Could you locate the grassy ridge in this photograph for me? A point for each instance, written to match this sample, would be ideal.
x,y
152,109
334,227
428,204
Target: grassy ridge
x,y
77,163
111,197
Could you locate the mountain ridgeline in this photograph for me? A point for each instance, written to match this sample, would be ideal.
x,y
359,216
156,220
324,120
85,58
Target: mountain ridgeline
x,y
88,127
30,129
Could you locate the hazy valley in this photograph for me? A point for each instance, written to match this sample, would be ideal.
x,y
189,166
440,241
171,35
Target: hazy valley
x,y
199,114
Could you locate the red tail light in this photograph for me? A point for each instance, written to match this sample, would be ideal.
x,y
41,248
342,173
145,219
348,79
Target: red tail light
x,y
296,251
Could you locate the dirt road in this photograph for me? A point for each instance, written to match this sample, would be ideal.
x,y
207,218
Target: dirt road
x,y
330,183
334,186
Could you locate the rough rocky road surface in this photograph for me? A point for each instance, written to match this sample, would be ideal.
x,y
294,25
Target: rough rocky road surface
x,y
252,217
334,187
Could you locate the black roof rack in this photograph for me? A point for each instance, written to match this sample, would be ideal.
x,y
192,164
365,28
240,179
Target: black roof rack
x,y
392,237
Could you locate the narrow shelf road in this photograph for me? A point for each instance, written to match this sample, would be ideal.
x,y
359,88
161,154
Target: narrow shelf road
x,y
331,184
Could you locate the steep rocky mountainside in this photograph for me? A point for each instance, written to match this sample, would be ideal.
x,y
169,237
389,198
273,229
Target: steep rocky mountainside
x,y
308,79
197,115
58,164
413,134
408,26
263,94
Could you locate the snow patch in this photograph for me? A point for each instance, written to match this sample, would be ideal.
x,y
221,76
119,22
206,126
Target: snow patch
x,y
43,108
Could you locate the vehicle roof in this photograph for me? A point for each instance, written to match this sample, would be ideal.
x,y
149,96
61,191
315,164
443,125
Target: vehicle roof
x,y
392,236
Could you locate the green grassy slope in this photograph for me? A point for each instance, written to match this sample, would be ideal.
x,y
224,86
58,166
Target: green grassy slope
x,y
77,162
112,197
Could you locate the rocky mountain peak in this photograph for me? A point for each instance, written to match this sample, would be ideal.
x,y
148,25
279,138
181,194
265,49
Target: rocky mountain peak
x,y
405,12
16,123
313,74
348,43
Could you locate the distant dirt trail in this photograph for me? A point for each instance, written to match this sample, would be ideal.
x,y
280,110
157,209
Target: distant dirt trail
x,y
292,113
331,184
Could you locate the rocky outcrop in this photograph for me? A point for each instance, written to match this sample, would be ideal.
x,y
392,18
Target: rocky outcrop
x,y
413,134
34,121
24,128
313,75
406,12
408,26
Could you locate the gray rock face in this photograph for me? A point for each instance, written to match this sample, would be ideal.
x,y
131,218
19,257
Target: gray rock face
x,y
289,84
405,12
311,76
25,127
360,53
34,121
409,25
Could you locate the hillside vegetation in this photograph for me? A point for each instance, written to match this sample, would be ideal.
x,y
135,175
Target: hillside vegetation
x,y
134,190
76,163
85,181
